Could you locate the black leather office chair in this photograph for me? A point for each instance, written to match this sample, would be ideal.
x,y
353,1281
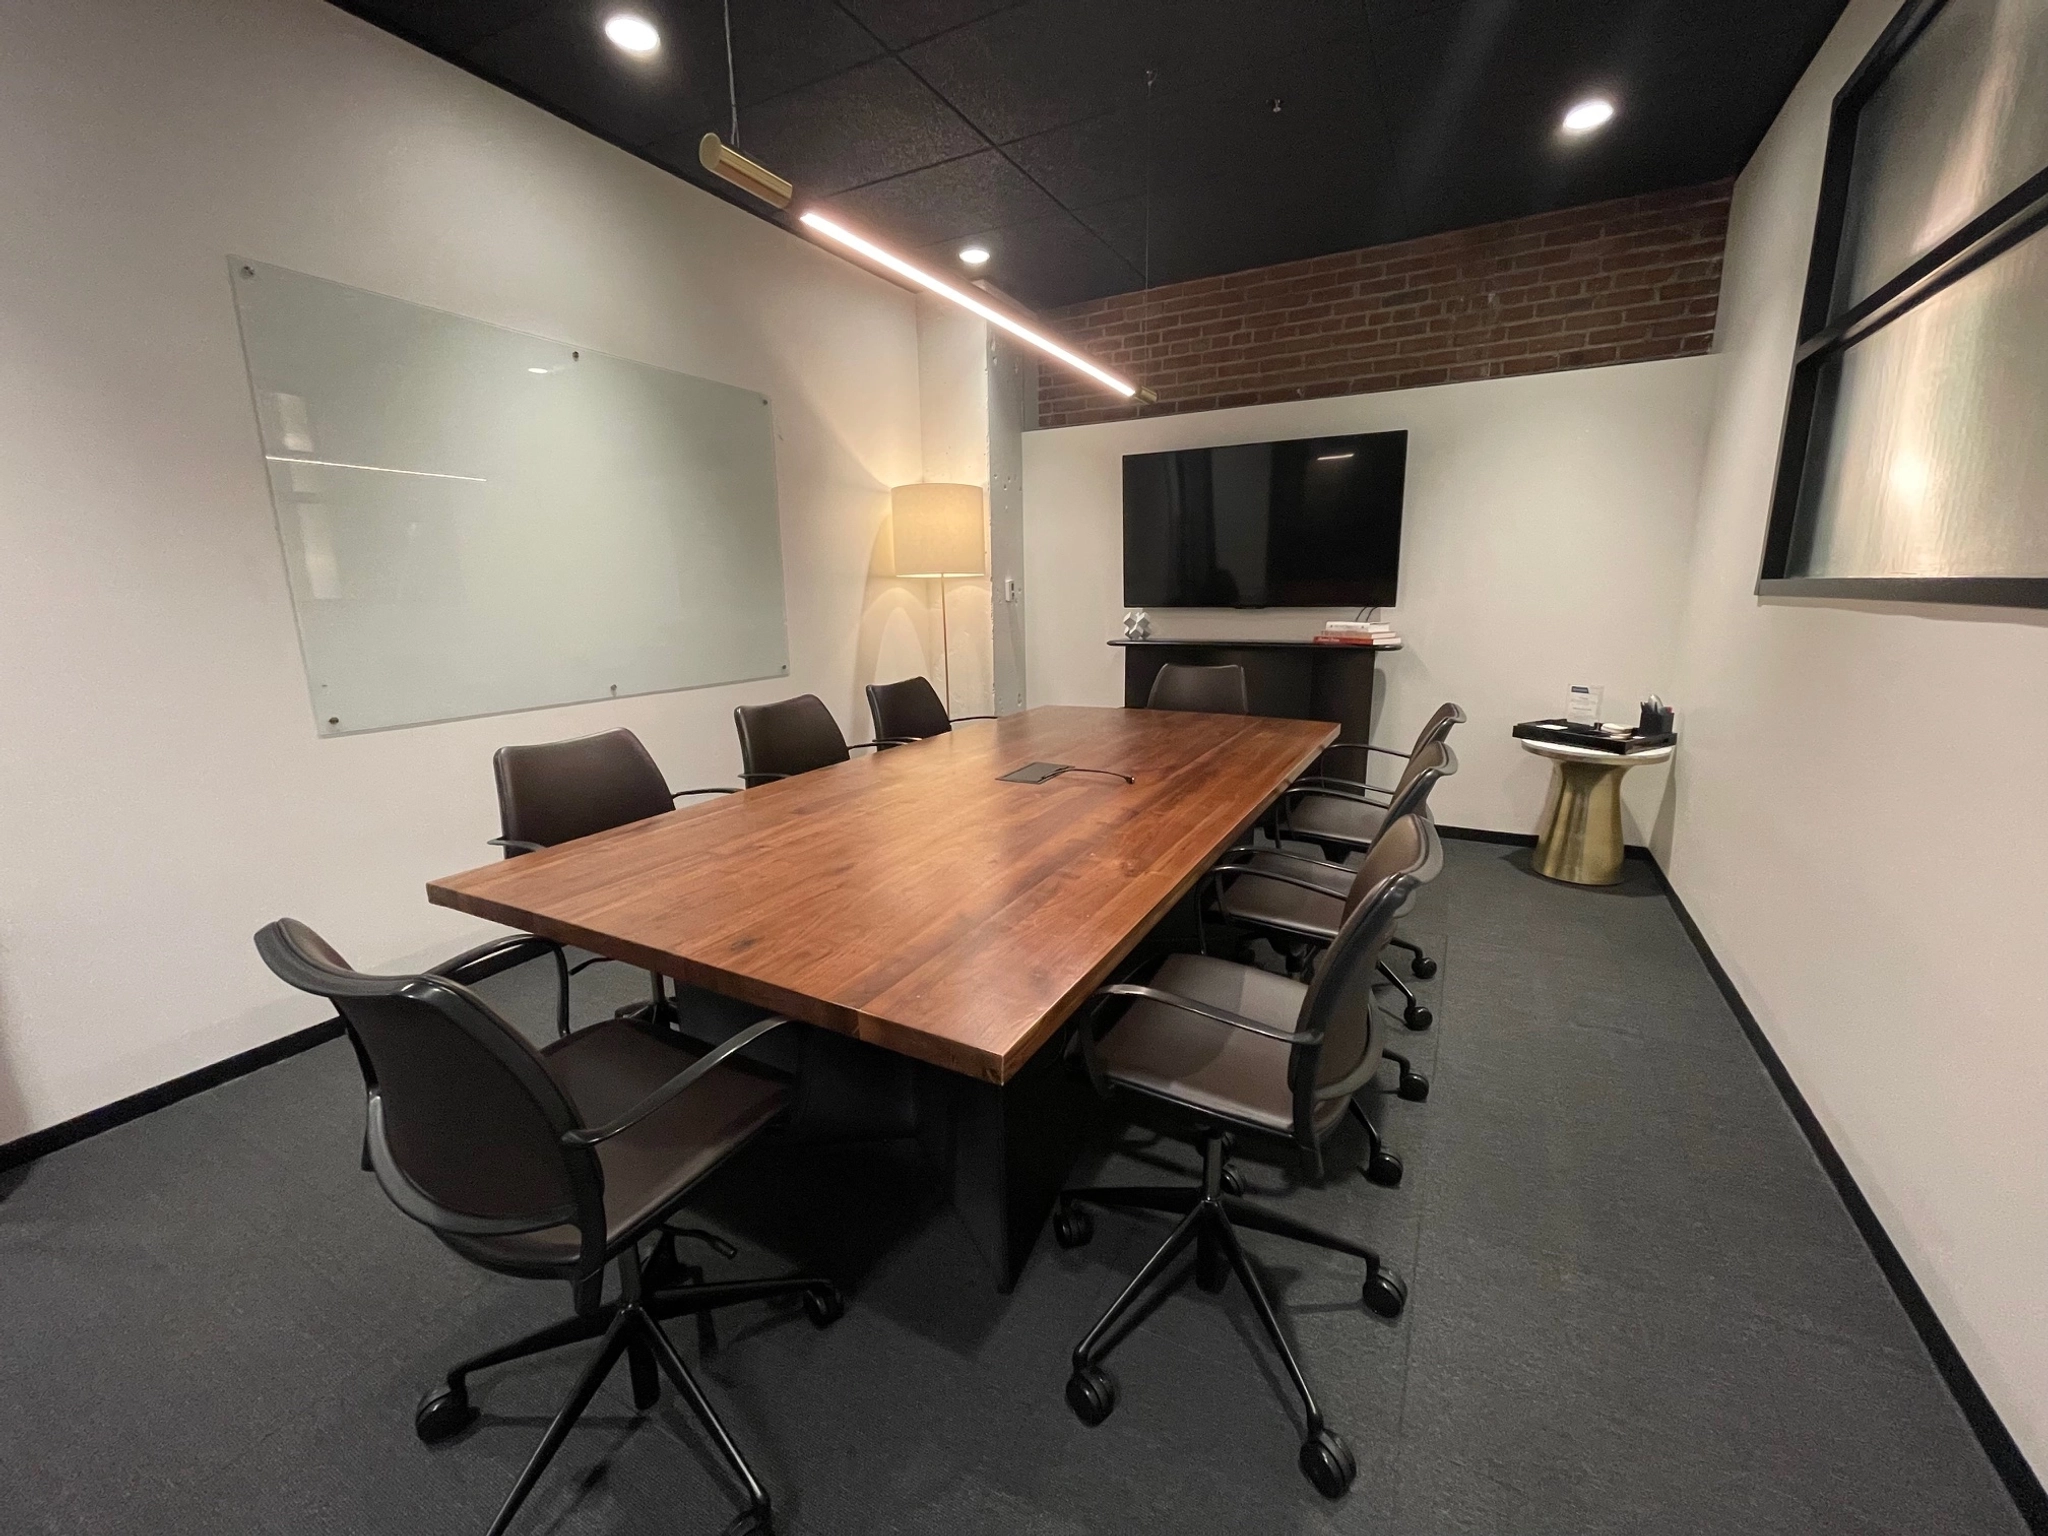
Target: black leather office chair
x,y
1204,690
910,711
789,737
553,792
551,1164
1343,813
1419,775
1234,1049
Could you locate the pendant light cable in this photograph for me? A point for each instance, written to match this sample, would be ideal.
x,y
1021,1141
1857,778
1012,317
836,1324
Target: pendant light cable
x,y
732,94
1145,309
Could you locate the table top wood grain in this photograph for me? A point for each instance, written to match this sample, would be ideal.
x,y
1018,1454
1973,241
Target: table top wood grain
x,y
910,898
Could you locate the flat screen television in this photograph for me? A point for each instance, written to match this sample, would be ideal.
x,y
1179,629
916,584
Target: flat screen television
x,y
1314,522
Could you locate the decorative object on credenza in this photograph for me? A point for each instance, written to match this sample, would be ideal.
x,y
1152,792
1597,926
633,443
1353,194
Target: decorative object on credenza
x,y
1137,625
1359,632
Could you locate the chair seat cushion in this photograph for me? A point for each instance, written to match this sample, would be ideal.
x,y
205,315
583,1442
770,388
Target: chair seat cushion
x,y
1206,1065
607,1068
1274,904
1334,818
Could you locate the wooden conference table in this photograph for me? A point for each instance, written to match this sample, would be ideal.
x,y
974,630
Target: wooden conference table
x,y
913,900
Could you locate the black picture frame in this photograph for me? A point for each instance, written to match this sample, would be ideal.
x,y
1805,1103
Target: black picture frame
x,y
1823,336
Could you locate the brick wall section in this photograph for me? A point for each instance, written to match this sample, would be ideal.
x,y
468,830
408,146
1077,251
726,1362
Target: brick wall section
x,y
1611,282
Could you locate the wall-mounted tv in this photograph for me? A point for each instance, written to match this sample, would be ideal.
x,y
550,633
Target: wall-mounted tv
x,y
1314,522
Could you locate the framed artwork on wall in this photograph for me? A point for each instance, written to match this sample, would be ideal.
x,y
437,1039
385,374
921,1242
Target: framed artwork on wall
x,y
1915,457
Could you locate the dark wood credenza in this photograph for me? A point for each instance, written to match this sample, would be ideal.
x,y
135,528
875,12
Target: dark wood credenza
x,y
1286,679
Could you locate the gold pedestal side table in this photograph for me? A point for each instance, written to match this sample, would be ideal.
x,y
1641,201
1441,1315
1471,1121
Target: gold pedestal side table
x,y
1579,839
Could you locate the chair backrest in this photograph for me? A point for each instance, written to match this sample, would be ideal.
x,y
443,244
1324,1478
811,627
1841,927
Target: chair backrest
x,y
1426,765
1438,726
788,737
555,791
1339,1002
907,711
1215,690
465,1121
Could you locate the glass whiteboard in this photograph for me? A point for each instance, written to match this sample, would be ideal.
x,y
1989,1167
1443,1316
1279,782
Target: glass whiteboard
x,y
476,521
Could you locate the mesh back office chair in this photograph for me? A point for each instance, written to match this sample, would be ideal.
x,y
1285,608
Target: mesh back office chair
x,y
1344,814
551,1164
553,792
789,737
1215,690
1268,903
1236,1049
910,711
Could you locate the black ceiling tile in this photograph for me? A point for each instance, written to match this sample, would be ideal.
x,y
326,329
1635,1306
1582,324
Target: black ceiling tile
x,y
864,125
445,25
899,23
1329,115
1045,263
562,56
779,45
972,195
1052,62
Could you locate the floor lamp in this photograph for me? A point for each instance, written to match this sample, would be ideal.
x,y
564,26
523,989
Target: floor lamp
x,y
938,534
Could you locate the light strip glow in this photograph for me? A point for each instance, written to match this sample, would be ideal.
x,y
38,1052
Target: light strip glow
x,y
946,290
1331,458
381,469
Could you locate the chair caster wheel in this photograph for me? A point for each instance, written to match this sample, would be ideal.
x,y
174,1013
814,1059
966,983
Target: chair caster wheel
x,y
1327,1462
443,1414
1414,1088
1091,1393
751,1522
1233,1183
824,1306
1384,1169
1423,966
1417,1017
1385,1293
1072,1227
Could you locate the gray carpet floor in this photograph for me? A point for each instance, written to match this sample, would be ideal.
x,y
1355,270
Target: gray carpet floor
x,y
1636,1304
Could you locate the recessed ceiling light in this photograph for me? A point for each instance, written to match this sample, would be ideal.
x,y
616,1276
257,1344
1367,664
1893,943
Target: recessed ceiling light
x,y
635,34
974,256
536,370
1593,112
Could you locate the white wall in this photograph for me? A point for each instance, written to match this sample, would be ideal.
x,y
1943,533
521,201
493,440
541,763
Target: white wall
x,y
1542,544
1860,828
162,792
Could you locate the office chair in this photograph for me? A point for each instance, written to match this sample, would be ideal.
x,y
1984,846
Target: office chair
x,y
552,1164
1347,812
789,737
553,792
910,711
1410,796
1305,900
1233,1049
1203,690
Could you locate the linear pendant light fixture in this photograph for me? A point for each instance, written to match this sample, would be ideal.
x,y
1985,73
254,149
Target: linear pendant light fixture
x,y
812,219
722,159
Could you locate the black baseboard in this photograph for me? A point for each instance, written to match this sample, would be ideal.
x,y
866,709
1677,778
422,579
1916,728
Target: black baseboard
x,y
41,1143
1525,840
2007,1460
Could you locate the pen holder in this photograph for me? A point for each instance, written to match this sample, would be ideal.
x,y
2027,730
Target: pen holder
x,y
1655,720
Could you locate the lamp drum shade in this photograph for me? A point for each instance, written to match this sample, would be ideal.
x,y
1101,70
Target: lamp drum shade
x,y
938,529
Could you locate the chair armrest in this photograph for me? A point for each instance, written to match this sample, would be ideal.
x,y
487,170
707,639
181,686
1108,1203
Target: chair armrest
x,y
1361,796
716,789
1293,858
957,719
751,780
1211,1012
1275,876
590,1136
878,743
515,845
487,960
1362,746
